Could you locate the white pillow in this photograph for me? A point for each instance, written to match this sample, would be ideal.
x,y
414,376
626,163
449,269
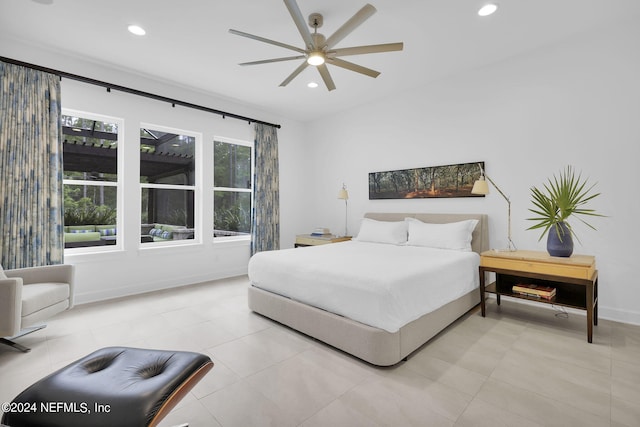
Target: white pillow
x,y
2,275
453,235
394,232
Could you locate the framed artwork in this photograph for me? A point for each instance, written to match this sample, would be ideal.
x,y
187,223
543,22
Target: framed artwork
x,y
428,182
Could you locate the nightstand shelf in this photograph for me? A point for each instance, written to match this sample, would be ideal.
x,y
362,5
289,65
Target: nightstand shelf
x,y
575,279
562,298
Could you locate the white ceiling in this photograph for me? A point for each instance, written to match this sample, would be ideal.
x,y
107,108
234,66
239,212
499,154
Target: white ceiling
x,y
188,42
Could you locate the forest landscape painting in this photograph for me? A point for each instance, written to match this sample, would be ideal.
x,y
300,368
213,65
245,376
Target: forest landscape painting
x,y
433,181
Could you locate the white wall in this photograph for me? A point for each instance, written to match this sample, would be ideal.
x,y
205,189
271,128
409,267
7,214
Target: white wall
x,y
134,269
573,103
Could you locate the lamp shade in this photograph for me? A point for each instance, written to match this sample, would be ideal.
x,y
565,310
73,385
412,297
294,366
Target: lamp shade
x,y
480,187
343,194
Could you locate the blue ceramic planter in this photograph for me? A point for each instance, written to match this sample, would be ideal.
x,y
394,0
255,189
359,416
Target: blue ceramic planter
x,y
561,246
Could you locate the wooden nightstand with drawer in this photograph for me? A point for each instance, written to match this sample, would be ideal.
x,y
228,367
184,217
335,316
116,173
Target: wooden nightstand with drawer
x,y
575,280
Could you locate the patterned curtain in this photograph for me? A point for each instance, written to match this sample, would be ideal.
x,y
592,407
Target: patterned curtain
x,y
31,202
265,227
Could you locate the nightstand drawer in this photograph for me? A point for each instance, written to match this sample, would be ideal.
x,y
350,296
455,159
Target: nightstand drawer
x,y
577,266
308,240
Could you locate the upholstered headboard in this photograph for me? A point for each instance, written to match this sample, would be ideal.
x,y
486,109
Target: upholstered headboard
x,y
480,236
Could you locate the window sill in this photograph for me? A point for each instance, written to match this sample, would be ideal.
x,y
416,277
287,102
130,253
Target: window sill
x,y
76,255
232,241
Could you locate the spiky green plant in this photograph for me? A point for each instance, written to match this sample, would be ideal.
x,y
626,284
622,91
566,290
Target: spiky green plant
x,y
563,197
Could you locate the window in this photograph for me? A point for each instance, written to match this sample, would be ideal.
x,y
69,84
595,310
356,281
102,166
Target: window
x,y
233,189
90,179
168,181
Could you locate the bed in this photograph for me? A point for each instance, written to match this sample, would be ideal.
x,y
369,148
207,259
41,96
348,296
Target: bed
x,y
312,300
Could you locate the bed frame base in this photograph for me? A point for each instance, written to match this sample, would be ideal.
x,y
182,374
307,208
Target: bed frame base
x,y
370,344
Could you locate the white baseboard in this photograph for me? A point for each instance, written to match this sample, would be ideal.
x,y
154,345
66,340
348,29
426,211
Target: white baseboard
x,y
617,315
155,285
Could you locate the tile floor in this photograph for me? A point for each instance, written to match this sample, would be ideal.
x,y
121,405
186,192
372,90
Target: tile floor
x,y
520,366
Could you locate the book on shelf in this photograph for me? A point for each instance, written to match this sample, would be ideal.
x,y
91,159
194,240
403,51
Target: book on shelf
x,y
534,290
526,294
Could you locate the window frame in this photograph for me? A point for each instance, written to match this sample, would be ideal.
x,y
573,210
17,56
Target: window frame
x,y
196,188
118,184
251,145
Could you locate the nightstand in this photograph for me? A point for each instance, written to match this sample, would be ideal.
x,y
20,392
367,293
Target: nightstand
x,y
309,240
575,279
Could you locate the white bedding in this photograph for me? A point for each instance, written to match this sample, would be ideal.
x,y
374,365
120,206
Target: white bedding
x,y
381,285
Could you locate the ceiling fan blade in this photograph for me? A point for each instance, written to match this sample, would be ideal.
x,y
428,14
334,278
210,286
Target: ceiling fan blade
x,y
294,74
300,22
324,72
361,50
268,61
262,39
354,67
356,20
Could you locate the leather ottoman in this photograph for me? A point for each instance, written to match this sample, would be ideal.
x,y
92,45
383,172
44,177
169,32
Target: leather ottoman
x,y
114,386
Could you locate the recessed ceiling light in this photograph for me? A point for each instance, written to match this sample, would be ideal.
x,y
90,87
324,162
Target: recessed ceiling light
x,y
488,9
137,30
312,85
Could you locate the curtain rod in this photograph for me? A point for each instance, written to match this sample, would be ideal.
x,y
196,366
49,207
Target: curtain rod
x,y
110,86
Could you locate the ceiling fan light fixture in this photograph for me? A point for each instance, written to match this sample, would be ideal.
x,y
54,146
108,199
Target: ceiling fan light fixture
x,y
488,9
319,51
312,85
316,58
137,30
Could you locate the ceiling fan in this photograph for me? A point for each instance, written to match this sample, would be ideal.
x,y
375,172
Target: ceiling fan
x,y
320,51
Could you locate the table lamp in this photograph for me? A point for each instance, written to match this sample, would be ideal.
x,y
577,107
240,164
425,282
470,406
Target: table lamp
x,y
343,194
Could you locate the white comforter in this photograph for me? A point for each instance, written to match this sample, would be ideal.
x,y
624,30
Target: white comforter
x,y
381,285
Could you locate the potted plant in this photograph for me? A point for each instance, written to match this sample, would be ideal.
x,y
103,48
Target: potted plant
x,y
562,197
